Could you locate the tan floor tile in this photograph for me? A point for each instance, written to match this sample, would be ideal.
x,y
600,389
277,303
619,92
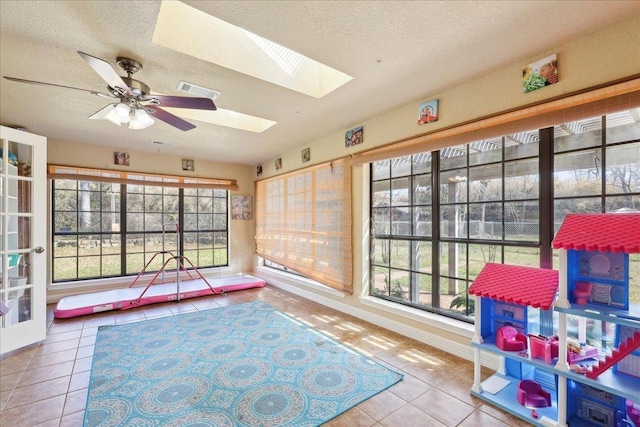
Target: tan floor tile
x,y
443,407
129,316
479,418
79,381
154,311
86,351
54,347
40,391
431,374
459,388
4,398
66,325
9,382
501,415
381,405
355,417
181,307
51,423
36,413
63,336
82,365
90,331
46,373
52,359
409,388
100,319
72,420
13,365
87,340
409,415
26,352
76,401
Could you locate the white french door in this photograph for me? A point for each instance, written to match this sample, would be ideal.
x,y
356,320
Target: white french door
x,y
23,216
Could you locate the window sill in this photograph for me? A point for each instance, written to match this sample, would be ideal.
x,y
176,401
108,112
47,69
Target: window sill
x,y
286,280
433,320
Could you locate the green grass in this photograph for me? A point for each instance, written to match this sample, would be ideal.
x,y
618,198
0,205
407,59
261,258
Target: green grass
x,y
71,263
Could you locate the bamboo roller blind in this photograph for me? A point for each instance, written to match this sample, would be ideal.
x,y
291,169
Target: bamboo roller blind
x,y
303,221
137,178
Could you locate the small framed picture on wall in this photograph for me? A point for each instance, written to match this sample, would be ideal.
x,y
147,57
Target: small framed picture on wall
x,y
120,158
353,137
306,155
188,165
241,207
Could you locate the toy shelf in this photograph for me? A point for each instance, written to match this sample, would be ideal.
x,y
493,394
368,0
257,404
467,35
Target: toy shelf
x,y
621,385
490,346
506,400
629,317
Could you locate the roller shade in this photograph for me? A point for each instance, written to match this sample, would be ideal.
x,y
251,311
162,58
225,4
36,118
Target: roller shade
x,y
137,178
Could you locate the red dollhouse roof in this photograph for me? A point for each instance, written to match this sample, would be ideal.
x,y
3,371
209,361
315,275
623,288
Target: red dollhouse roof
x,y
529,286
609,232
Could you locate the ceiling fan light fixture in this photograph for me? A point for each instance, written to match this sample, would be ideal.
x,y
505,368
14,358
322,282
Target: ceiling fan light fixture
x,y
140,119
112,116
123,110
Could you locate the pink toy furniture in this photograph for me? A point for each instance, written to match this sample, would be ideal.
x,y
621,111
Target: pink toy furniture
x,y
508,339
530,393
543,348
587,352
582,293
633,413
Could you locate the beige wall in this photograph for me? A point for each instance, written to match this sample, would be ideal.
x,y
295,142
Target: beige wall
x,y
602,57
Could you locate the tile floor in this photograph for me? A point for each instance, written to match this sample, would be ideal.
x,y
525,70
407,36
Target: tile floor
x,y
46,384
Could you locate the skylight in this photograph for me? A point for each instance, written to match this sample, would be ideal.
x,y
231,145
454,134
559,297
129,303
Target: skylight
x,y
222,117
190,31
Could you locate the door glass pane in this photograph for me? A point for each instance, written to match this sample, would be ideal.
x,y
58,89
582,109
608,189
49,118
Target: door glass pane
x,y
15,199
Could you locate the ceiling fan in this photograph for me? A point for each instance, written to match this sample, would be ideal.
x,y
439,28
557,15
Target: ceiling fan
x,y
135,105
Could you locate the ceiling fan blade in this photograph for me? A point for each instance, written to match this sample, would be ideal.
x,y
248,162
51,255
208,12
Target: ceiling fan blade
x,y
169,118
33,82
182,102
105,70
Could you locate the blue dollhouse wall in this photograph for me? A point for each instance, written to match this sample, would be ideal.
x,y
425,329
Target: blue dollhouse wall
x,y
608,276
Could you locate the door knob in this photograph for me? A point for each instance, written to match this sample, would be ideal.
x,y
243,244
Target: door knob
x,y
39,249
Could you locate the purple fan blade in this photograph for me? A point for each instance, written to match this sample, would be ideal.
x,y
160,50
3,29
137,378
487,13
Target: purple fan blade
x,y
105,70
182,102
34,82
171,119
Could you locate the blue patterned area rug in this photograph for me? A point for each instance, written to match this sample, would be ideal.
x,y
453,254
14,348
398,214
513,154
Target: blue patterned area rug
x,y
241,365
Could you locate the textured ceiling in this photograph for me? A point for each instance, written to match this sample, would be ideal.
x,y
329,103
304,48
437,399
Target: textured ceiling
x,y
397,51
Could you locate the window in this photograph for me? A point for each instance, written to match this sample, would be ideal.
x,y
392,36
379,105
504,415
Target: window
x,y
107,229
438,217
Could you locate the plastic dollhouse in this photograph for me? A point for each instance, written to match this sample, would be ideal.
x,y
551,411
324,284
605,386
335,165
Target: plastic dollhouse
x,y
536,321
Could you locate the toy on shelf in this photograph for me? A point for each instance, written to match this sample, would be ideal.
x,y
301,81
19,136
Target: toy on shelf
x,y
543,347
531,394
633,413
509,339
582,293
577,352
627,347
